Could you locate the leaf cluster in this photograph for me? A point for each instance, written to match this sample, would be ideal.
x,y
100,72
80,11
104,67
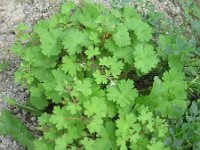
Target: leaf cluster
x,y
182,129
80,67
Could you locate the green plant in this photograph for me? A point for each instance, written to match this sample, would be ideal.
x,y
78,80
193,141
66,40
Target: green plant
x,y
9,125
186,130
13,102
3,65
84,68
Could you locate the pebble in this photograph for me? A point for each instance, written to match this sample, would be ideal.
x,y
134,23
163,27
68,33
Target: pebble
x,y
18,115
27,93
33,119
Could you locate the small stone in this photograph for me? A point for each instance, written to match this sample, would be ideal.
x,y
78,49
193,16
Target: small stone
x,y
27,92
14,143
31,127
33,118
18,115
15,91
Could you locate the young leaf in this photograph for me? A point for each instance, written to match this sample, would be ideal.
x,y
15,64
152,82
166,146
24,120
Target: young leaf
x,y
115,66
91,52
142,30
42,144
70,65
100,78
88,143
84,87
170,95
73,108
50,42
62,142
121,37
106,139
96,106
145,57
37,99
74,40
67,7
123,93
59,118
95,125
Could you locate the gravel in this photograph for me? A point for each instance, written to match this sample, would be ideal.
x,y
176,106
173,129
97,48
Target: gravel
x,y
13,12
170,9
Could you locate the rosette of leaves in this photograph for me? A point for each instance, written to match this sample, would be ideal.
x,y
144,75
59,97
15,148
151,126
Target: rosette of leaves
x,y
78,63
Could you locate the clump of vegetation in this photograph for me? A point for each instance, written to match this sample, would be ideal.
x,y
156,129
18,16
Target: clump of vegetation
x,y
104,79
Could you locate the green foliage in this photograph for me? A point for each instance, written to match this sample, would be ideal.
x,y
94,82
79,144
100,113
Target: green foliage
x,y
124,94
130,127
185,131
3,65
9,125
85,66
184,39
145,57
172,89
13,102
121,37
